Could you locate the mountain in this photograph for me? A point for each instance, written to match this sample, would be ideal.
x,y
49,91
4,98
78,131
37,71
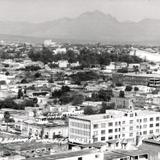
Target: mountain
x,y
90,27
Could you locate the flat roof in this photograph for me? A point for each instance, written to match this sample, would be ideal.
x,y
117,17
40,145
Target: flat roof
x,y
28,145
109,155
115,114
66,155
131,152
95,145
152,141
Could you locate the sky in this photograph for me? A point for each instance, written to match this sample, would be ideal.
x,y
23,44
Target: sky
x,y
47,10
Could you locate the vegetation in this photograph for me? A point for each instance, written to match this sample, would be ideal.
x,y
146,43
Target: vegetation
x,y
128,88
88,110
84,76
107,106
102,95
86,57
121,94
10,103
136,89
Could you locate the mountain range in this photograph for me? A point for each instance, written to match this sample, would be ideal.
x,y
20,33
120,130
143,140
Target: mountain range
x,y
92,26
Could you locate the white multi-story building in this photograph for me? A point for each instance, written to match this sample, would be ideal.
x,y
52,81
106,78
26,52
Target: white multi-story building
x,y
114,125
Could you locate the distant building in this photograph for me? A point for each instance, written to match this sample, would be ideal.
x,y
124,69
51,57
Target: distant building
x,y
152,80
63,64
126,102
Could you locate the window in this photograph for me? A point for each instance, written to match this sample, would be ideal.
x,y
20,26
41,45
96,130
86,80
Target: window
x,y
151,125
116,130
103,131
110,131
123,135
123,128
151,119
157,130
144,132
145,126
145,120
116,136
79,158
110,124
157,118
103,138
110,137
123,122
103,125
131,122
131,115
95,139
116,123
157,124
151,131
95,126
131,134
95,133
131,128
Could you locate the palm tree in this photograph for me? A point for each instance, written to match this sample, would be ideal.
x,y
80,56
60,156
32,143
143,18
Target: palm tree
x,y
6,118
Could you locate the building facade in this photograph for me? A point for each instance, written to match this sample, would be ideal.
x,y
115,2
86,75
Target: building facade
x,y
113,125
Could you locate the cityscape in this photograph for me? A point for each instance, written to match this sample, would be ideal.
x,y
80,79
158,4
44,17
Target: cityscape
x,y
82,87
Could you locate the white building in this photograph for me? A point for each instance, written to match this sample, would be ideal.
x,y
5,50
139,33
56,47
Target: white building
x,y
48,43
115,124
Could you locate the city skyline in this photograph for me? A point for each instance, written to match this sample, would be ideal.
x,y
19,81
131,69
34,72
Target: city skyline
x,y
48,10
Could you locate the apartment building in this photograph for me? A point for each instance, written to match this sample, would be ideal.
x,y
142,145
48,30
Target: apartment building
x,y
152,80
114,125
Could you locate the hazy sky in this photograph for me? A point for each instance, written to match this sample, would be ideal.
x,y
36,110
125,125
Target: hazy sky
x,y
44,10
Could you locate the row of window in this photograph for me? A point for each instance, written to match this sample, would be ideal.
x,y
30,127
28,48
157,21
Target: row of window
x,y
79,131
80,125
103,125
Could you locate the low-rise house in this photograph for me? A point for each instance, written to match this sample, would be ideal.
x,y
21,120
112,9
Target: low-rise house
x,y
41,128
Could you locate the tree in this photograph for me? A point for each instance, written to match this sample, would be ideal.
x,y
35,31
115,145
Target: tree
x,y
77,99
121,94
107,106
6,118
37,75
89,110
65,89
7,73
20,93
128,88
136,89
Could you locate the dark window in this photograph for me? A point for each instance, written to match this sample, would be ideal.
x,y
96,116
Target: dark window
x,y
103,138
151,125
151,119
110,130
79,158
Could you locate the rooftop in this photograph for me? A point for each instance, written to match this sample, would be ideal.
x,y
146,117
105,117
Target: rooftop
x,y
131,152
66,155
28,145
113,114
109,155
